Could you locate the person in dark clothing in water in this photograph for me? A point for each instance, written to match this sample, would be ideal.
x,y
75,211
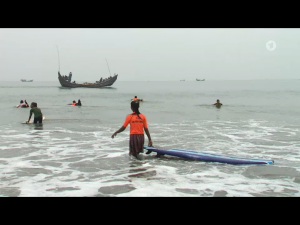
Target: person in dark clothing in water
x,y
218,104
78,103
38,115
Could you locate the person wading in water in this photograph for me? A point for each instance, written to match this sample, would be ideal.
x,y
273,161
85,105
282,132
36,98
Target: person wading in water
x,y
138,124
218,104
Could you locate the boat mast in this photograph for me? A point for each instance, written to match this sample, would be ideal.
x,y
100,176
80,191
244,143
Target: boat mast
x,y
58,60
108,67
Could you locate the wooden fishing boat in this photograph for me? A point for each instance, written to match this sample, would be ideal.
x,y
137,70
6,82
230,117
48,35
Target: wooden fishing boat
x,y
200,79
106,83
66,81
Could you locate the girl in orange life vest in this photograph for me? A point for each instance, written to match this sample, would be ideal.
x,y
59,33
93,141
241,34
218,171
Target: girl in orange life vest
x,y
138,124
136,99
74,103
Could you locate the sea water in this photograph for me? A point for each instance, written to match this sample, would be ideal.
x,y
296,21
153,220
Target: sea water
x,y
73,154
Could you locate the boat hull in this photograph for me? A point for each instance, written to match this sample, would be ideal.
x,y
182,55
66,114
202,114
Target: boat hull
x,y
106,83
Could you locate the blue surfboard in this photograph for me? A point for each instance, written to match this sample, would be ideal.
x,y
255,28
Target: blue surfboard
x,y
209,157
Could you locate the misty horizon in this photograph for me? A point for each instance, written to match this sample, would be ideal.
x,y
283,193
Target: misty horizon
x,y
149,54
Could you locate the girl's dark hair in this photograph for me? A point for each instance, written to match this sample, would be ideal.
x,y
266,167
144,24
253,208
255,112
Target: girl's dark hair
x,y
135,107
34,104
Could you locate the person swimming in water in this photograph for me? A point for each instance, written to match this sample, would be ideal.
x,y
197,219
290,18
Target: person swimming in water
x,y
138,124
23,104
218,104
136,99
78,103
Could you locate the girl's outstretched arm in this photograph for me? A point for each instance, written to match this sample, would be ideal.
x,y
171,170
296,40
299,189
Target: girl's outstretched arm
x,y
118,131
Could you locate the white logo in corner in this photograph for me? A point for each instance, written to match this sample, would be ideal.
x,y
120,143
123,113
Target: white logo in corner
x,y
271,45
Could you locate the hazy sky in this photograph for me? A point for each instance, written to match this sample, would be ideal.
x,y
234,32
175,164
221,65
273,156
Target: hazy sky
x,y
149,54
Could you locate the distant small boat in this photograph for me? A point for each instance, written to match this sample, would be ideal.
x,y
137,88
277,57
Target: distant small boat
x,y
24,80
182,80
200,79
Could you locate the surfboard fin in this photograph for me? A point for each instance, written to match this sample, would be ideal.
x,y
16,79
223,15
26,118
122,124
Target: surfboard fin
x,y
148,152
159,154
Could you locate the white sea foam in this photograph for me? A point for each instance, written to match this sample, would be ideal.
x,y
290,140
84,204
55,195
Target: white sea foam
x,y
67,162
